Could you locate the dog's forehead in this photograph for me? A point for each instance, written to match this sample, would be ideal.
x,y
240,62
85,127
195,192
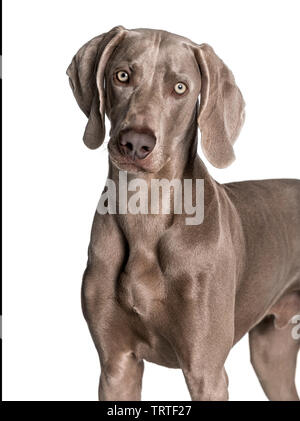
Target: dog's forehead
x,y
159,36
147,45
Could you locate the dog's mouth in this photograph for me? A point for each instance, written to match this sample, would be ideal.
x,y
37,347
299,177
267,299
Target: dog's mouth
x,y
128,163
153,162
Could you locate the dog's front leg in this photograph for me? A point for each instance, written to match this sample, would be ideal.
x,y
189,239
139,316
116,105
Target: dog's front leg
x,y
110,327
203,342
121,371
121,378
205,374
207,384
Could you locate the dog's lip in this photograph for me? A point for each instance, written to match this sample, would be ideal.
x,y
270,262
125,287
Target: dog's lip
x,y
128,165
119,160
124,163
130,168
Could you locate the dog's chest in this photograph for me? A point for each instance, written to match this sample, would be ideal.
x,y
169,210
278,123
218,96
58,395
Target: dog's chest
x,y
156,271
142,285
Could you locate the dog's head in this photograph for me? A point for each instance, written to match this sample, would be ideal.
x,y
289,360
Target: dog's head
x,y
148,83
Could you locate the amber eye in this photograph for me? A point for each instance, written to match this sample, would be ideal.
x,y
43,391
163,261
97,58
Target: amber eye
x,y
122,76
180,88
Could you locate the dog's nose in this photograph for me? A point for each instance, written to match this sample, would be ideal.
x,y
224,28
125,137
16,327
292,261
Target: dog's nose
x,y
136,144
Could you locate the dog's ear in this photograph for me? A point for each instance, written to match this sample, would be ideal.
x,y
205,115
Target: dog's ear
x,y
221,113
86,76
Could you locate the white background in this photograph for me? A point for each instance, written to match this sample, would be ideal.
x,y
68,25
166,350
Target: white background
x,y
52,181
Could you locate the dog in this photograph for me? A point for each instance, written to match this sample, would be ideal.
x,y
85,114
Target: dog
x,y
156,288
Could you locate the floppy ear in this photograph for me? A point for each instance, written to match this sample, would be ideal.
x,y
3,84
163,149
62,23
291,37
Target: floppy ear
x,y
221,113
86,76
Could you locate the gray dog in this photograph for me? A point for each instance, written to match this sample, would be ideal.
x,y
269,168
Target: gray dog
x,y
156,288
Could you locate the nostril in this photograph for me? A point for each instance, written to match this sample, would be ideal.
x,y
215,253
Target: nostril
x,y
129,146
125,144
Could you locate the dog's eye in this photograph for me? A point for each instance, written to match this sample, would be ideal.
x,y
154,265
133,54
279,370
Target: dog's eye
x,y
122,76
180,88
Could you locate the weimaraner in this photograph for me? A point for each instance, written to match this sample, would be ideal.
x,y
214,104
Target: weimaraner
x,y
156,288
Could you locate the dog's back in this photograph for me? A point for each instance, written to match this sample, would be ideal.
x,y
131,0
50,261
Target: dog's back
x,y
270,216
264,202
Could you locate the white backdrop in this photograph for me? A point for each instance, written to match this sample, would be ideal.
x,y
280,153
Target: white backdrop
x,y
52,182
